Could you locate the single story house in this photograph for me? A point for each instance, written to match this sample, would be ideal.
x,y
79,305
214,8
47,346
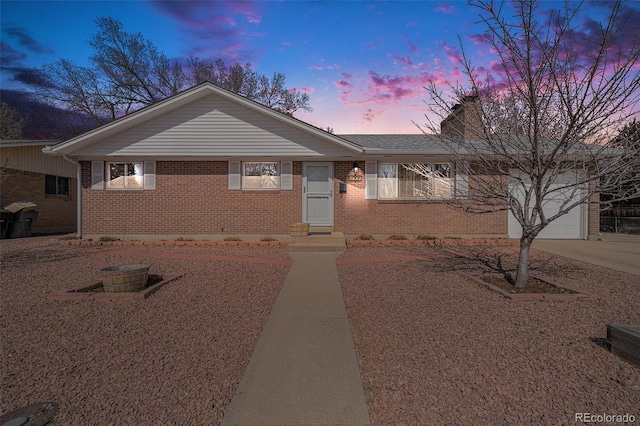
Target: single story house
x,y
26,173
208,163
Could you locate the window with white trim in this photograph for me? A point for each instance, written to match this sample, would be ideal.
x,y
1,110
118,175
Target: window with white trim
x,y
415,180
125,175
261,175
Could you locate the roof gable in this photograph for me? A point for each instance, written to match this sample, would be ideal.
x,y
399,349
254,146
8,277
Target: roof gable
x,y
206,121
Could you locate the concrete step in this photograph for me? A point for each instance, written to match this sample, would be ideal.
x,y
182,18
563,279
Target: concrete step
x,y
322,230
336,241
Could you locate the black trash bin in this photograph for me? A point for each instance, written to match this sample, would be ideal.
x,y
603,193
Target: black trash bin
x,y
22,222
6,219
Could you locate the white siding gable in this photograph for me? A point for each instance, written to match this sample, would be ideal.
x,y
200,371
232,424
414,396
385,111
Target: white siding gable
x,y
214,126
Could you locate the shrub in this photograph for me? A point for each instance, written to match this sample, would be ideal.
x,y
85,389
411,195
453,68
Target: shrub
x,y
106,238
232,239
364,236
183,239
397,237
68,237
267,238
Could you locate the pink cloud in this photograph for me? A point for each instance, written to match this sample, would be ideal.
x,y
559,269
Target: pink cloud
x,y
386,88
451,52
445,8
478,38
400,59
316,67
286,43
370,114
413,48
308,90
342,84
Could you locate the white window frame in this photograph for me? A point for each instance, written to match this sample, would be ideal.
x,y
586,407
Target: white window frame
x,y
382,182
263,178
111,186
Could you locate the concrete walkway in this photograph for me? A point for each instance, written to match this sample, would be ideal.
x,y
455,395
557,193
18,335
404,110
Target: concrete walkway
x,y
304,369
620,252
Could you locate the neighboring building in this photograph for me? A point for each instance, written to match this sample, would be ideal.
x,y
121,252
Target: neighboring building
x,y
26,173
207,163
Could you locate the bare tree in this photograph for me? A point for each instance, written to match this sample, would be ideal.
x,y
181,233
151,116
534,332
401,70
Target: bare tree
x,y
128,72
540,133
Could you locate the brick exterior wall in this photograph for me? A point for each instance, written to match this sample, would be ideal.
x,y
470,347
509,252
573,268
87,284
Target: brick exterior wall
x,y
192,198
56,213
593,214
355,215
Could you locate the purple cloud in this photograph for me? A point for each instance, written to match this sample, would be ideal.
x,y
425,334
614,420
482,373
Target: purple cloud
x,y
26,41
478,38
413,48
342,84
211,27
369,115
445,8
10,57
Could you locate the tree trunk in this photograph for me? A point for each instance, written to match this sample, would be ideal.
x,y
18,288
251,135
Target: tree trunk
x,y
522,275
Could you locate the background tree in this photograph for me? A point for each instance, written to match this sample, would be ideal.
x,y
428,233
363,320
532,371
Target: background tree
x,y
629,140
128,72
11,123
544,126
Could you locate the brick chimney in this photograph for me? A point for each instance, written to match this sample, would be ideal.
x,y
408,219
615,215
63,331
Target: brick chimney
x,y
465,120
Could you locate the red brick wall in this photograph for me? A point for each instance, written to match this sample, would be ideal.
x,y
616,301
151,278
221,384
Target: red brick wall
x,y
355,215
593,215
191,198
56,213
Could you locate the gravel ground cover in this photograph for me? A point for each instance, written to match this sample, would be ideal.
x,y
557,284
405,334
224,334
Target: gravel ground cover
x,y
174,358
435,348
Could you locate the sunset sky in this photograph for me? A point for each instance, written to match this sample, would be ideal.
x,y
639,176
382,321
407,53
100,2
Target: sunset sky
x,y
363,63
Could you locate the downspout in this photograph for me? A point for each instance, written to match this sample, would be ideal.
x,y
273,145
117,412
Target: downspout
x,y
79,192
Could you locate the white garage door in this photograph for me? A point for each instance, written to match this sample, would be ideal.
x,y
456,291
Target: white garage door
x,y
569,226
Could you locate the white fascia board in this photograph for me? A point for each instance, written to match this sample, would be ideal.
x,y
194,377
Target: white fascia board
x,y
27,143
378,151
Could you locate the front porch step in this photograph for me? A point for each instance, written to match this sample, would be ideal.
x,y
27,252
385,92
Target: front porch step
x,y
322,230
336,241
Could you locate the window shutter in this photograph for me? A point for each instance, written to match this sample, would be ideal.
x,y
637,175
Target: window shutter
x,y
97,175
149,175
371,180
234,175
462,186
286,175
462,179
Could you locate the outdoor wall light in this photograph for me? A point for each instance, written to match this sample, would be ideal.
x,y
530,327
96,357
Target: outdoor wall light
x,y
355,167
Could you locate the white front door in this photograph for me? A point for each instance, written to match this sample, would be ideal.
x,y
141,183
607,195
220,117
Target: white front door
x,y
317,193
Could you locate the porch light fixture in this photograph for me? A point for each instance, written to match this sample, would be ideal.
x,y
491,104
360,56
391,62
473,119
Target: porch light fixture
x,y
355,167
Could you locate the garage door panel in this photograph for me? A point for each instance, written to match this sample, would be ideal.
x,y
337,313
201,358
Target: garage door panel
x,y
568,226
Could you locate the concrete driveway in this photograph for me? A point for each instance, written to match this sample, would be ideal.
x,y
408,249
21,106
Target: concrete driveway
x,y
615,251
